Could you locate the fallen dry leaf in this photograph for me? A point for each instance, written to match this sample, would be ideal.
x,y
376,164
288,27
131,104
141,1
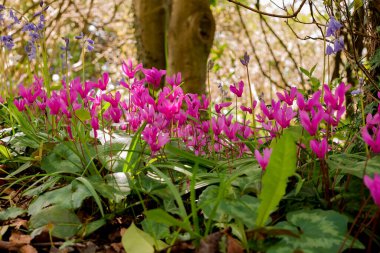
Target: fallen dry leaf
x,y
17,237
17,223
27,249
233,245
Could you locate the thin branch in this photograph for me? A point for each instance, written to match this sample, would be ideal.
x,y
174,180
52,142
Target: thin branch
x,y
276,63
254,49
286,49
270,14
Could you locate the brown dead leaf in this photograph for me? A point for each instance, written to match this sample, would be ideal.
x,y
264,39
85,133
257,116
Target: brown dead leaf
x,y
233,245
210,244
18,238
17,223
118,247
27,249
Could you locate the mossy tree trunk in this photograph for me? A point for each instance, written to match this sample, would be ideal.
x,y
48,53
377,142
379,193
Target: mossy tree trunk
x,y
186,28
190,37
150,22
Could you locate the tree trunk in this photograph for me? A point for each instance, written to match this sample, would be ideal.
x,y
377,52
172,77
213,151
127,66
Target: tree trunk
x,y
190,37
150,22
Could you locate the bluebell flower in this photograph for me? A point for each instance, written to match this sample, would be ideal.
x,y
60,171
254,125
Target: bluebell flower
x,y
14,17
245,59
78,37
7,41
90,48
333,26
329,50
90,41
29,27
338,44
31,50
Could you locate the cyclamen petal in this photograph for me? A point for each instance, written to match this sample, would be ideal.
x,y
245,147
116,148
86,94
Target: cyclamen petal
x,y
219,107
263,160
374,187
238,91
319,148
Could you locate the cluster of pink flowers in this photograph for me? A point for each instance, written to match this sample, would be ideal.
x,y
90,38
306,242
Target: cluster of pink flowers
x,y
173,114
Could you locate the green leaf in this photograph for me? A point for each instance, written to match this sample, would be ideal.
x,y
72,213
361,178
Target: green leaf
x,y
93,226
177,152
133,155
318,230
91,188
306,72
72,194
163,217
63,222
5,152
83,114
135,240
62,159
232,206
11,213
358,4
155,229
354,164
282,165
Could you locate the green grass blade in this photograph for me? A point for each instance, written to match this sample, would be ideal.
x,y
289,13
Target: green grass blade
x,y
129,165
93,192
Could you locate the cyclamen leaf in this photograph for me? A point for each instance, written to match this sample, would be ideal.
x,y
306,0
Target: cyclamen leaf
x,y
63,222
318,230
135,240
282,165
11,213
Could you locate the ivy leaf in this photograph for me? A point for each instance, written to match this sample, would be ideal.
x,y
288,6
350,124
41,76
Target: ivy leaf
x,y
318,230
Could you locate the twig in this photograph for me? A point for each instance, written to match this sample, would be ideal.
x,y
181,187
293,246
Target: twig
x,y
254,49
267,13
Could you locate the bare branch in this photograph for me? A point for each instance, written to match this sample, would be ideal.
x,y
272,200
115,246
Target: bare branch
x,y
270,14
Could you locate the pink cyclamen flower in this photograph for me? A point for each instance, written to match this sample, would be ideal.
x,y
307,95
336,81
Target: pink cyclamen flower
x,y
128,69
372,140
219,107
319,148
95,125
155,138
20,104
311,125
153,76
103,82
174,80
288,97
238,91
246,109
374,187
263,160
2,100
335,101
284,115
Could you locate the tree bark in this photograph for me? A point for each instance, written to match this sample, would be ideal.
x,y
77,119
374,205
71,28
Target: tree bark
x,y
190,37
150,23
